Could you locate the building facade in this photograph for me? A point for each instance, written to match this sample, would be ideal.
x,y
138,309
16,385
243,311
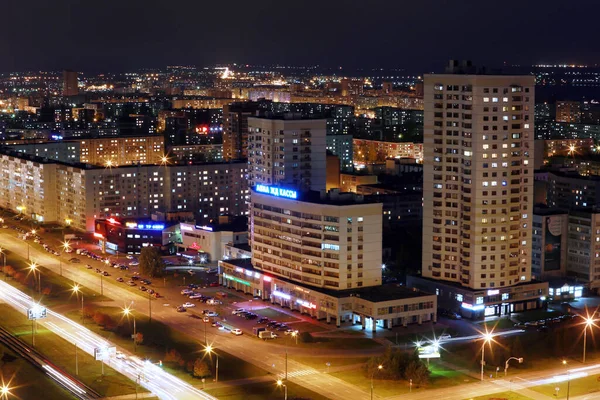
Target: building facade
x,y
288,152
478,186
549,244
125,150
235,129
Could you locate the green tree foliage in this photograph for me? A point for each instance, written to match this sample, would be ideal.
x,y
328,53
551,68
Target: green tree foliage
x,y
396,365
151,262
201,369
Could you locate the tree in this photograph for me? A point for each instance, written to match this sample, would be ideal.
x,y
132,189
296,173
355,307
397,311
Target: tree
x,y
9,270
89,311
151,262
201,369
139,338
417,371
173,356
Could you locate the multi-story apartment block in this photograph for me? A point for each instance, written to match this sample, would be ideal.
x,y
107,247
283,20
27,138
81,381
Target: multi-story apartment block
x,y
50,191
583,258
478,190
549,243
235,129
126,150
288,152
568,111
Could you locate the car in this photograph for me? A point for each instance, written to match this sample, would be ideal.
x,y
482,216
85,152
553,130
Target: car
x,y
263,320
195,296
283,328
133,263
290,331
206,319
181,309
135,278
214,302
212,271
105,273
205,312
120,355
143,288
131,283
237,331
150,291
146,282
212,314
98,270
237,311
156,295
214,284
454,315
250,316
216,324
444,336
187,292
74,260
69,250
193,286
129,257
188,305
88,266
124,267
119,279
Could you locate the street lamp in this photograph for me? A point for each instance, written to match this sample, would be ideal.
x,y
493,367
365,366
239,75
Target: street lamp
x,y
379,368
4,258
520,360
76,289
4,392
588,323
127,311
209,350
280,383
564,362
487,338
33,268
295,335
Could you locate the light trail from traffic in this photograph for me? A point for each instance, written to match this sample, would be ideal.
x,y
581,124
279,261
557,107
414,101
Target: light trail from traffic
x,y
148,375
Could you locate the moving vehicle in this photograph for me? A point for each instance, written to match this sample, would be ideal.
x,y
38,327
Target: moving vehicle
x,y
444,336
264,335
237,331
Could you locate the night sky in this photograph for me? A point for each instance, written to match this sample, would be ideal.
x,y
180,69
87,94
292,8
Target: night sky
x,y
418,35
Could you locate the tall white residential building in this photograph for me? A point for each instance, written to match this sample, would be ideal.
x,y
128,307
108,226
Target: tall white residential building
x,y
478,186
287,152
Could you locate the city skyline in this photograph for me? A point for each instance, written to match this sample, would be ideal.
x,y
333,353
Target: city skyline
x,y
395,35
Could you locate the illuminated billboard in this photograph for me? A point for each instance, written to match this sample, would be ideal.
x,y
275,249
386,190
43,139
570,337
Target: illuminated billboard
x,y
277,191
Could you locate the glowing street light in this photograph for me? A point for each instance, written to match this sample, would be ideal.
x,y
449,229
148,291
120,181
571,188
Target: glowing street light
x,y
4,392
280,383
379,368
588,323
209,350
127,311
487,338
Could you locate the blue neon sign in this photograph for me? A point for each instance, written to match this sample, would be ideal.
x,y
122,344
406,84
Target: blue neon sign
x,y
277,191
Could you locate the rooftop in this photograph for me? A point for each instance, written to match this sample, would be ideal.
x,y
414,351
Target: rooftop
x,y
333,197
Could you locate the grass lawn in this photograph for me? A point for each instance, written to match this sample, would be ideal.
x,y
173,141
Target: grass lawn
x,y
26,381
275,315
59,289
535,315
160,338
439,378
579,387
62,353
501,395
501,323
337,343
308,327
320,363
263,391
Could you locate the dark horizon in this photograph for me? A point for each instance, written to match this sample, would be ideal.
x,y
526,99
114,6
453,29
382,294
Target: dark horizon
x,y
417,37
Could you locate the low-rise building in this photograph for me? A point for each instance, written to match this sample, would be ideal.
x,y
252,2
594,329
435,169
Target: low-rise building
x,y
130,236
210,240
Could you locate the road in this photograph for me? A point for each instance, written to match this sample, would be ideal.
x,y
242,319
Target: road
x,y
249,349
148,375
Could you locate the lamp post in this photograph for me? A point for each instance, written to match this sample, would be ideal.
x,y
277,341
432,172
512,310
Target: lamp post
x,y
4,259
127,312
4,392
209,350
588,324
520,360
76,289
280,383
33,268
379,368
568,379
487,338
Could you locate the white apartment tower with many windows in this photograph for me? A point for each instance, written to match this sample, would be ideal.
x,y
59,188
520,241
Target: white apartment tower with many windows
x,y
287,152
478,179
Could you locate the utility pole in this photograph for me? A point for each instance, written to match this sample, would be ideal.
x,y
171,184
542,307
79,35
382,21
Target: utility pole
x,y
286,364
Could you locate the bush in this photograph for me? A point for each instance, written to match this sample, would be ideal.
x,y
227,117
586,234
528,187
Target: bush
x,y
306,337
397,365
172,356
201,369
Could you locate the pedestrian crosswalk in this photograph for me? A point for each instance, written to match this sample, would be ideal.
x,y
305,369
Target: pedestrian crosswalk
x,y
302,372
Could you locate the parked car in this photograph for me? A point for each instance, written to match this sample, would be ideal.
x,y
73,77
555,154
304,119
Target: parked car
x,y
212,314
119,279
237,331
74,260
181,309
263,320
105,273
214,302
188,305
264,335
290,331
237,311
131,283
146,282
214,284
187,292
88,266
143,288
